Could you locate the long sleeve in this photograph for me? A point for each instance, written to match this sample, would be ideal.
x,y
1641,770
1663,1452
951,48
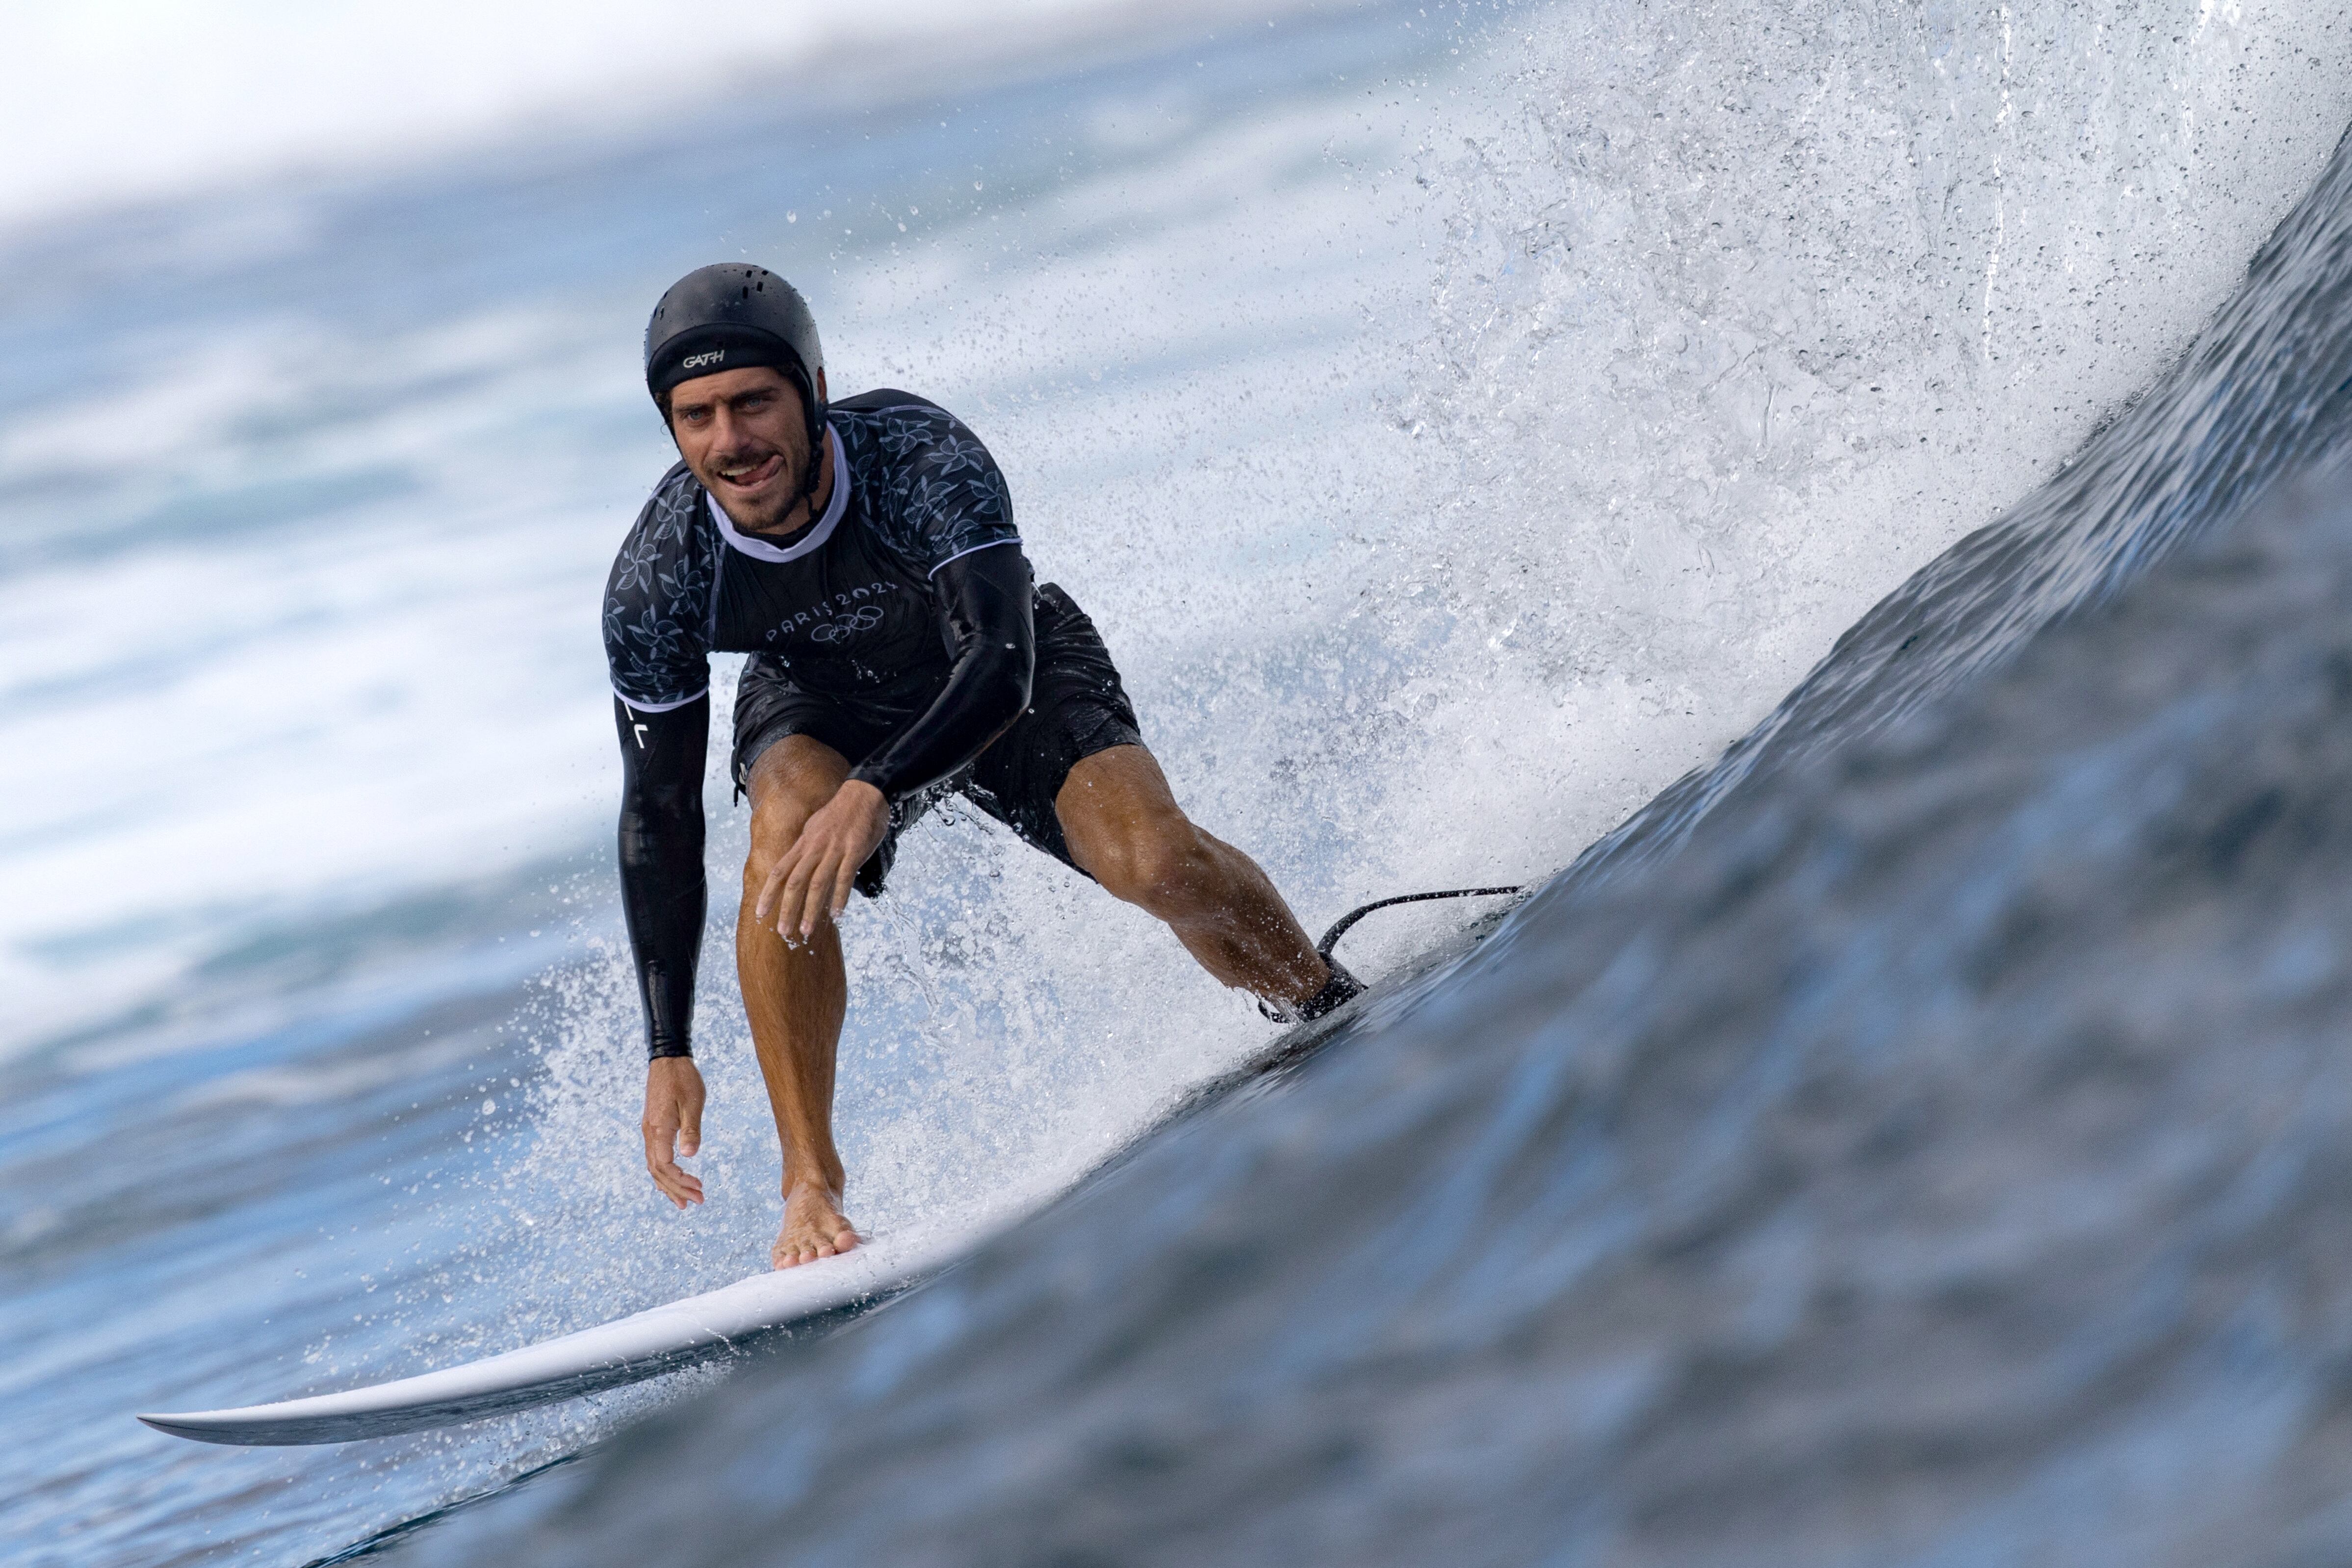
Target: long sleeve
x,y
984,601
663,891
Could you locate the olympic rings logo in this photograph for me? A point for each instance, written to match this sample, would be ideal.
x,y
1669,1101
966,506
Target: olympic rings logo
x,y
863,619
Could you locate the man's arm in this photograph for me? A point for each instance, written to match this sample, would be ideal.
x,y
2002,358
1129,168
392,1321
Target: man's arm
x,y
662,887
985,603
662,894
985,600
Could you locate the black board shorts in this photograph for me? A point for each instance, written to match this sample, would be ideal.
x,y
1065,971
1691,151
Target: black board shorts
x,y
1076,707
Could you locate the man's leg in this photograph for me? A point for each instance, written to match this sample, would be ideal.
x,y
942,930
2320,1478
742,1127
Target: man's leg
x,y
796,998
1124,829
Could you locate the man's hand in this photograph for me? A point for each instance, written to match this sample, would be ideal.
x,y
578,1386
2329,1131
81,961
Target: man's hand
x,y
673,1125
813,878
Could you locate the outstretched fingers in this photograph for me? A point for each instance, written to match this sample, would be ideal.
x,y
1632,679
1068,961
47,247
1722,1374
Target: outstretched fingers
x,y
663,1145
672,1125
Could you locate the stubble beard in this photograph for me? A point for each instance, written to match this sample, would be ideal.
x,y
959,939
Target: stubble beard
x,y
774,508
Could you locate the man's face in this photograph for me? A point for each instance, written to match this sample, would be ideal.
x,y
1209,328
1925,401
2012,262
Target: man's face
x,y
745,435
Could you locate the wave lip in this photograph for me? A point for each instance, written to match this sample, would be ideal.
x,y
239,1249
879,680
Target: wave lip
x,y
2264,392
1929,1141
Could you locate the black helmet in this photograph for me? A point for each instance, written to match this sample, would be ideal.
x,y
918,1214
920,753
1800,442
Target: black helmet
x,y
727,316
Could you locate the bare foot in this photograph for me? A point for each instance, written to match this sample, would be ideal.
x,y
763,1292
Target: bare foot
x,y
814,1227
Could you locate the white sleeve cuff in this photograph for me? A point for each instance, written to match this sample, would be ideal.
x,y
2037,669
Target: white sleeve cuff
x,y
634,706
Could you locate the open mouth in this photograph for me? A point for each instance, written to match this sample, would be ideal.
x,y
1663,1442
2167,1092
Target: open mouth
x,y
752,475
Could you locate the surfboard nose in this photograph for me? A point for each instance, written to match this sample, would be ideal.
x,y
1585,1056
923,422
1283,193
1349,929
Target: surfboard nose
x,y
211,1427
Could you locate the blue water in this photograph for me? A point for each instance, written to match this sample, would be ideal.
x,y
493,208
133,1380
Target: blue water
x,y
1462,430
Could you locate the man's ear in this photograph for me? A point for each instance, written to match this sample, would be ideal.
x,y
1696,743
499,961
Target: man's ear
x,y
822,395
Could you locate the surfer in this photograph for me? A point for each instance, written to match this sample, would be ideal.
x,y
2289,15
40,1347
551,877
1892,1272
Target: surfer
x,y
862,551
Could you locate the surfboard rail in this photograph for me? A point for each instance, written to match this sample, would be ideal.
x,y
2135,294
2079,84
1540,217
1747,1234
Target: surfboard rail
x,y
668,1338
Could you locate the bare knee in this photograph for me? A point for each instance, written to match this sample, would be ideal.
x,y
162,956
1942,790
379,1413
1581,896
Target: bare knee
x,y
787,785
773,832
1168,868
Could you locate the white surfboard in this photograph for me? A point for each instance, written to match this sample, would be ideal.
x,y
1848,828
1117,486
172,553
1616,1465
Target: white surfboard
x,y
701,1328
646,1344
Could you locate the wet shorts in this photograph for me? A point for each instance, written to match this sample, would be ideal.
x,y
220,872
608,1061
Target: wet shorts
x,y
1076,707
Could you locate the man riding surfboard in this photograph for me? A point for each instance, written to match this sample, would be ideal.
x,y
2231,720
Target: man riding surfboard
x,y
863,552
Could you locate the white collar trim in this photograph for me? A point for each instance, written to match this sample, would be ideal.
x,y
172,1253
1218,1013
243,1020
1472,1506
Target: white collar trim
x,y
760,550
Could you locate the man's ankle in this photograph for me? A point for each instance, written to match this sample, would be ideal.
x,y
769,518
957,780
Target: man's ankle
x,y
1340,988
1338,991
815,1182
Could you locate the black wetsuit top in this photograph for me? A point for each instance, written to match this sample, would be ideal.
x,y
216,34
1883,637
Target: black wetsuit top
x,y
909,596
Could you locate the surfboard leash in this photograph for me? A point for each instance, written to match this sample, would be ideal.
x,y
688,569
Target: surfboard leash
x,y
1331,937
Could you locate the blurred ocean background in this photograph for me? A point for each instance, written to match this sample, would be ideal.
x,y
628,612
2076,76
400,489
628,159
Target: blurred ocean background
x,y
1464,422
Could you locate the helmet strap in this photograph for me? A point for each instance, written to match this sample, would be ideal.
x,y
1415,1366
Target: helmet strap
x,y
806,382
815,476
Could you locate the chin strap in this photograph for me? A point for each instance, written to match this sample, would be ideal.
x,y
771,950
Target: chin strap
x,y
817,450
1343,988
820,442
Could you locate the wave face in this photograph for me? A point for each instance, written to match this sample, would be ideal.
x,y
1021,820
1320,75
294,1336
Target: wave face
x,y
1920,1137
1460,435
